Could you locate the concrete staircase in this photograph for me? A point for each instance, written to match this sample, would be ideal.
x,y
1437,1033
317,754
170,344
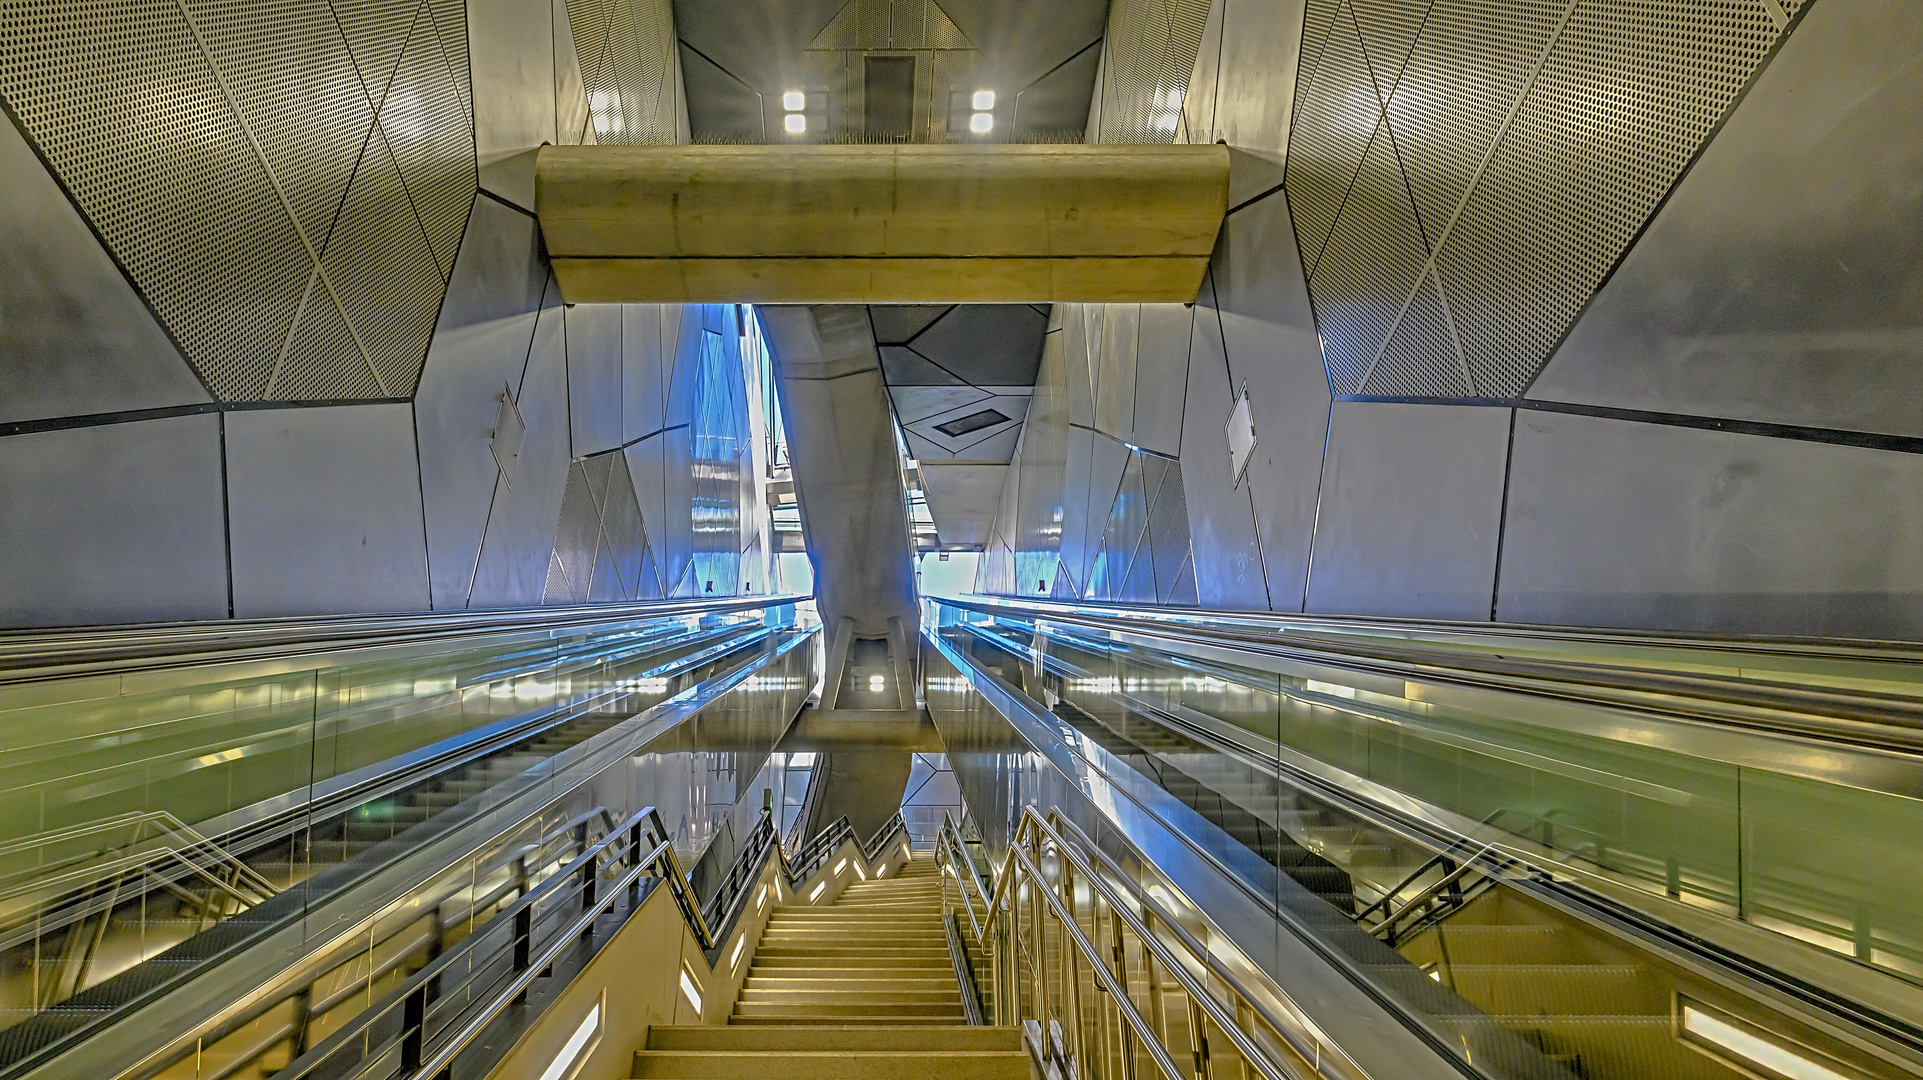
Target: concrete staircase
x,y
862,989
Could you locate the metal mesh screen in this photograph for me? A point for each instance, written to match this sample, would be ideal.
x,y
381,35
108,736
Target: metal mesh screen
x,y
577,536
1464,173
627,52
1168,531
215,148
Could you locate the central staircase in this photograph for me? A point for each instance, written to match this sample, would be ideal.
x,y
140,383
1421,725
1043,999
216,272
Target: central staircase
x,y
860,989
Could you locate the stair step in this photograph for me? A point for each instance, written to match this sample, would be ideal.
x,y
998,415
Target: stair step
x,y
825,995
836,1010
829,1064
833,1037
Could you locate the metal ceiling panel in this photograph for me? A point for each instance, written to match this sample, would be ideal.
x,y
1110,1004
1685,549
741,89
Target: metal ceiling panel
x,y
904,366
75,336
987,344
897,324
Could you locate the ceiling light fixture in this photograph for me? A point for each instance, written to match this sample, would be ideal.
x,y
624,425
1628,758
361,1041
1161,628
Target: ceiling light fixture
x,y
984,100
794,101
981,123
795,123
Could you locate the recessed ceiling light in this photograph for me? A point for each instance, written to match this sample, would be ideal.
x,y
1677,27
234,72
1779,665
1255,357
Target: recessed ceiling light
x,y
981,123
795,123
984,100
794,101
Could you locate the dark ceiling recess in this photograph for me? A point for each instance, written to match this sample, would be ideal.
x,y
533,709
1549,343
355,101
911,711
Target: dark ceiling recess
x,y
962,425
888,104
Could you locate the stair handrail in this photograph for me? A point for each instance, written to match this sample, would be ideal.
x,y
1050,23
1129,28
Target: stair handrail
x,y
411,997
1034,835
887,831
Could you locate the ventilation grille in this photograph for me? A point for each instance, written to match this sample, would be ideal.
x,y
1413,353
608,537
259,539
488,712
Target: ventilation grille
x,y
1148,58
284,184
1463,174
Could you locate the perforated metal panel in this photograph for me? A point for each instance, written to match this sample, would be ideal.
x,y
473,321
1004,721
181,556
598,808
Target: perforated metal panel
x,y
578,534
1463,173
627,52
1147,61
215,147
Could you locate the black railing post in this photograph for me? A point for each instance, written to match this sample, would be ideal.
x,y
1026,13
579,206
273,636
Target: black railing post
x,y
523,946
413,1028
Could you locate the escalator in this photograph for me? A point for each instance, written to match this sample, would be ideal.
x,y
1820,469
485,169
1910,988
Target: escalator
x,y
98,935
1525,963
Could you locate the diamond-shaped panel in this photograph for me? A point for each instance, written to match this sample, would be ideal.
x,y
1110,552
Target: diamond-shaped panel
x,y
383,271
425,122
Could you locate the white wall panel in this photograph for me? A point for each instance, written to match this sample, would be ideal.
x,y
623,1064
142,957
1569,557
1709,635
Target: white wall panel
x,y
1272,350
75,339
110,524
1228,555
1411,511
641,335
1783,278
480,349
511,50
513,566
324,511
1161,376
595,396
1615,523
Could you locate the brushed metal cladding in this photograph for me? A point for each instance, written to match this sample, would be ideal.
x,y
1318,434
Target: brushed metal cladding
x,y
1073,341
897,324
914,403
324,511
1228,558
1615,523
512,568
1255,84
1113,374
75,338
595,371
479,351
117,523
1269,336
1197,124
675,531
962,498
511,56
626,537
847,472
1168,533
577,539
1161,376
131,116
647,467
1044,462
1410,511
641,375
1076,463
1784,275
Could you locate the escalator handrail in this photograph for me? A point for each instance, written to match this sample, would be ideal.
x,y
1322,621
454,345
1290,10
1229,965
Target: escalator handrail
x,y
1859,718
31,655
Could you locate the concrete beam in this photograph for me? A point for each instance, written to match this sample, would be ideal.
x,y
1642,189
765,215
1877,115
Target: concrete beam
x,y
881,224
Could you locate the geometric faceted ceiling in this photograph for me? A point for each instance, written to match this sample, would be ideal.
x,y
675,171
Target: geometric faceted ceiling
x,y
1464,175
284,183
960,375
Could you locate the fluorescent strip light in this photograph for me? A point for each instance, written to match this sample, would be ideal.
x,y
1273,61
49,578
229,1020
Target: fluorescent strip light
x,y
571,1054
761,900
689,990
840,866
863,873
820,885
740,943
1754,1049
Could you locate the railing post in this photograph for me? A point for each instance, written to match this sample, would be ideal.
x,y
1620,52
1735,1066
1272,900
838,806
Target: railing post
x,y
634,859
523,946
413,1028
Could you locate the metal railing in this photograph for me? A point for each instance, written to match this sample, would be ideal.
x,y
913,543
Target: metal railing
x,y
1107,984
